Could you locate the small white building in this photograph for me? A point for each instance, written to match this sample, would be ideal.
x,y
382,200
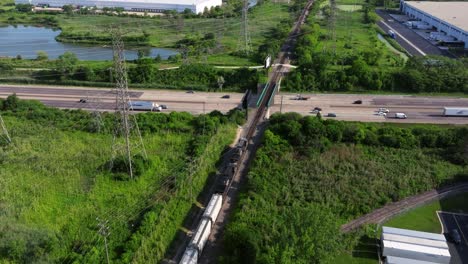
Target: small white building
x,y
448,17
408,246
156,6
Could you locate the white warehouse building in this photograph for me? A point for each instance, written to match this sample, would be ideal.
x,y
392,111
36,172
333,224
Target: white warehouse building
x,y
403,246
156,6
448,17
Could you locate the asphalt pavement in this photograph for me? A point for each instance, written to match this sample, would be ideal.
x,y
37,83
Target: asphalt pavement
x,y
451,221
407,38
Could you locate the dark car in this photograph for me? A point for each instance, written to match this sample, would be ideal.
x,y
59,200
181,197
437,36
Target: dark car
x,y
82,100
226,96
190,91
317,109
455,236
357,102
331,115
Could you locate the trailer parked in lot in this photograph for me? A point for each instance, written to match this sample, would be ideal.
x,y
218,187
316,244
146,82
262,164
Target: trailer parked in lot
x,y
455,111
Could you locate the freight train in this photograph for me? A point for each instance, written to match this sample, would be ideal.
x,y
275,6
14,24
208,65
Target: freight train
x,y
203,231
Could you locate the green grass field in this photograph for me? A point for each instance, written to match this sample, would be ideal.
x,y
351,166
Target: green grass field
x,y
425,218
54,184
352,34
7,5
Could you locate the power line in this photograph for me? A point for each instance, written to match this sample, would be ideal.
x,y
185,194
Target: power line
x,y
4,131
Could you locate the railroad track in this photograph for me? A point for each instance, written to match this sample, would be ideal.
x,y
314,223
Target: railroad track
x,y
390,210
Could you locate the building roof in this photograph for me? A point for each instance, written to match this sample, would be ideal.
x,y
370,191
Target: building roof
x,y
454,13
398,260
417,248
412,233
415,240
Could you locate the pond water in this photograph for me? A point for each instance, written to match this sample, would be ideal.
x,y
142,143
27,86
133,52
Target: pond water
x,y
28,40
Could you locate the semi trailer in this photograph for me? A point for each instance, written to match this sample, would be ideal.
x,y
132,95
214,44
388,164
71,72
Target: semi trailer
x,y
455,111
144,106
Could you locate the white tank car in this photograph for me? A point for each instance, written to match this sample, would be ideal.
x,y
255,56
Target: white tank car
x,y
201,235
213,208
190,256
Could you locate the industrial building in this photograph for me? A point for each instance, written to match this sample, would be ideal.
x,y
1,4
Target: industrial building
x,y
448,17
154,6
401,246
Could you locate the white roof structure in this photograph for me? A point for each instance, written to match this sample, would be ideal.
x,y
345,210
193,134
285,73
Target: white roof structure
x,y
455,13
403,246
412,233
415,241
397,260
417,248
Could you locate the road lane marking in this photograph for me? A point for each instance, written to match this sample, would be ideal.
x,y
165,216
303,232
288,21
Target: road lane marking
x,y
438,213
403,38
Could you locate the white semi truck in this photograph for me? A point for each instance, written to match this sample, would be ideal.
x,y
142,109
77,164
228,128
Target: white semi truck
x,y
144,106
455,111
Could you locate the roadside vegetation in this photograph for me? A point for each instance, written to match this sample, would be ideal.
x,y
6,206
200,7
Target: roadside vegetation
x,y
55,182
310,176
350,57
142,73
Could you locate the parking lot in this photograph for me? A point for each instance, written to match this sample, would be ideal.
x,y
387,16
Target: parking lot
x,y
409,39
456,221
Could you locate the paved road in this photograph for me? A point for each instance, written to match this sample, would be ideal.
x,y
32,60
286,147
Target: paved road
x,y
103,99
418,109
382,214
408,39
451,221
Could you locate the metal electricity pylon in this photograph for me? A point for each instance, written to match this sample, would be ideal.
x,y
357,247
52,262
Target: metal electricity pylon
x,y
332,25
4,133
104,232
244,44
126,126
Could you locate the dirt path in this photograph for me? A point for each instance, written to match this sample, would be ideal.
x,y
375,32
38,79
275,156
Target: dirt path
x,y
392,209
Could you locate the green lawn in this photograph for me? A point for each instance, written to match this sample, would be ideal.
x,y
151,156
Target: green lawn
x,y
165,32
352,34
345,258
425,218
6,4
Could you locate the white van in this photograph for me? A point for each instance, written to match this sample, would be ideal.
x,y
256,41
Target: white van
x,y
400,115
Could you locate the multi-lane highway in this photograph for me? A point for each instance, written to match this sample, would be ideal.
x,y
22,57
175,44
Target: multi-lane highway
x,y
103,99
419,109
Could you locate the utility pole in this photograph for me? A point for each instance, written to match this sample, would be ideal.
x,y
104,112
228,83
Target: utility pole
x,y
281,105
244,44
204,117
125,123
191,172
4,133
104,232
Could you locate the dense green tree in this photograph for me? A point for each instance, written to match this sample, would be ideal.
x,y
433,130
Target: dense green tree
x,y
66,64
